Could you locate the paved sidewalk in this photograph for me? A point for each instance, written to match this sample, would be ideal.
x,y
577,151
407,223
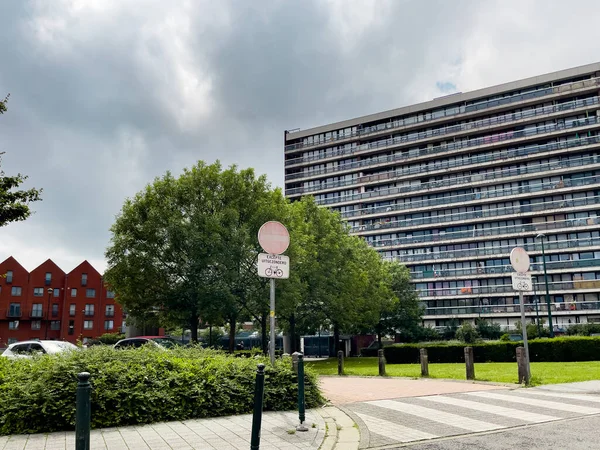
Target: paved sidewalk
x,y
223,433
348,389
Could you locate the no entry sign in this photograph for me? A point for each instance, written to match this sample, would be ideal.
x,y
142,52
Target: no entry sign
x,y
273,237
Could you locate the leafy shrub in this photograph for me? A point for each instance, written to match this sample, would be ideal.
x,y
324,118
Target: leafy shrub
x,y
505,337
467,333
111,338
583,329
487,329
540,350
140,386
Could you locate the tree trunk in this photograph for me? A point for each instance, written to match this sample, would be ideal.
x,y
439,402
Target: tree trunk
x,y
210,335
336,338
232,324
293,347
263,331
194,328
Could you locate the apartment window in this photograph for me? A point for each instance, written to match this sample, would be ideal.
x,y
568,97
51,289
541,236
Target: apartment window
x,y
72,309
84,279
12,341
89,310
48,278
109,324
36,324
13,325
14,310
88,324
9,276
54,309
73,292
71,327
90,293
55,325
15,291
38,292
36,310
110,310
56,292
110,294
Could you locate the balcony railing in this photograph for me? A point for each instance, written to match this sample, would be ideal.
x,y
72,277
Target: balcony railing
x,y
462,110
487,252
473,196
509,309
109,314
36,314
453,129
88,313
387,144
442,238
499,270
480,214
505,288
13,314
459,181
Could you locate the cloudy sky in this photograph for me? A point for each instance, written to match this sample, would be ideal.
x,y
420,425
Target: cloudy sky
x,y
108,94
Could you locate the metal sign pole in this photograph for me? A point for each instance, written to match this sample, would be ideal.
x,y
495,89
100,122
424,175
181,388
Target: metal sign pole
x,y
272,323
524,329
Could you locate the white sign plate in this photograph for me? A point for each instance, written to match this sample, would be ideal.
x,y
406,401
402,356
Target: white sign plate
x,y
273,266
522,281
519,259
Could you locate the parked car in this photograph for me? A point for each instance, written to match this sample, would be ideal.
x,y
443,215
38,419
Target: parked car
x,y
135,342
26,349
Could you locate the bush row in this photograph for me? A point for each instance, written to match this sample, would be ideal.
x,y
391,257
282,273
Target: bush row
x,y
577,348
140,386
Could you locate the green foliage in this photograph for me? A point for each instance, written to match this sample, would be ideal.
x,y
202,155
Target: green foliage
x,y
467,333
110,338
140,386
14,204
487,329
450,331
532,330
541,350
505,337
583,329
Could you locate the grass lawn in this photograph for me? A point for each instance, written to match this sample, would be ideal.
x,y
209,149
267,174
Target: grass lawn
x,y
541,373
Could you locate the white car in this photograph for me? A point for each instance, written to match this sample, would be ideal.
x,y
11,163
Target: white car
x,y
26,349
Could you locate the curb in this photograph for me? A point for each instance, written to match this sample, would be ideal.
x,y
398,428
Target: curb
x,y
340,430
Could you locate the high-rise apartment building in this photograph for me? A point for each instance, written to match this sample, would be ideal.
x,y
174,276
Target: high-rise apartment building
x,y
448,187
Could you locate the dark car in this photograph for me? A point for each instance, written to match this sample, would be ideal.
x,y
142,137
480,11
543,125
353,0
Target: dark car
x,y
136,342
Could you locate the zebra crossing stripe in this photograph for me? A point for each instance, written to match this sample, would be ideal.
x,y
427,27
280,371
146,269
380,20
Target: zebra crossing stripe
x,y
392,430
560,395
535,402
492,409
434,415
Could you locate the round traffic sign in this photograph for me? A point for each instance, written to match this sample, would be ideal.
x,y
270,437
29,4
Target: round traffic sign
x,y
273,237
519,259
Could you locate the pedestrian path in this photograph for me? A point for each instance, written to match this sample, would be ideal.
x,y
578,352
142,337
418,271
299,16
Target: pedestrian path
x,y
278,431
411,419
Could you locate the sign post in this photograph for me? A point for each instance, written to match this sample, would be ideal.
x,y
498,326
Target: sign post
x,y
521,281
274,238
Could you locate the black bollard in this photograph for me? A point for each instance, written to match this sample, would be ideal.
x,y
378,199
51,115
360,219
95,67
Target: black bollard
x,y
83,413
340,362
381,360
301,403
259,391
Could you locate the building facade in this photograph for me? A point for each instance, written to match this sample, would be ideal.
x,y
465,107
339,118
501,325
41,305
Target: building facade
x,y
48,303
450,186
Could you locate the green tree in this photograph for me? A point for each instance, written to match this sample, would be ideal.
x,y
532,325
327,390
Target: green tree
x,y
184,247
487,329
467,333
14,203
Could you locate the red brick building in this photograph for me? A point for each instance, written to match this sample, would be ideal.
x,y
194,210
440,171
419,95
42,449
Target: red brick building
x,y
48,303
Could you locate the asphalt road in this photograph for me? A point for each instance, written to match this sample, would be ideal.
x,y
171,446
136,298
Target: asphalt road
x,y
572,434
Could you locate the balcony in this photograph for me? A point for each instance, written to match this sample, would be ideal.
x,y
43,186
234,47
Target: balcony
x,y
481,197
13,314
109,314
552,267
576,86
447,149
513,211
36,314
88,313
487,252
530,309
515,119
481,179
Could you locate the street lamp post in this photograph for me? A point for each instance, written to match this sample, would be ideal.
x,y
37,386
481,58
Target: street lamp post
x,y
48,314
541,237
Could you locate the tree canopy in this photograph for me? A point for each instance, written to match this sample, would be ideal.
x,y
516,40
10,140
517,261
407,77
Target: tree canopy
x,y
184,251
14,203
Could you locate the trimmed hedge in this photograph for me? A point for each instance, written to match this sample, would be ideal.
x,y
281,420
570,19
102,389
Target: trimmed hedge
x,y
563,349
140,386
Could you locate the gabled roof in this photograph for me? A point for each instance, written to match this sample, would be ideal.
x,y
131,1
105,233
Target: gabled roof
x,y
51,263
86,267
13,261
